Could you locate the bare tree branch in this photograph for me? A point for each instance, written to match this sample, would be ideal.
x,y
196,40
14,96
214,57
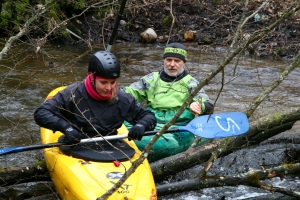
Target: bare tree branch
x,y
22,32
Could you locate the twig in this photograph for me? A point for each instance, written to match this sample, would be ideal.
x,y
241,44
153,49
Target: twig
x,y
264,94
21,33
173,20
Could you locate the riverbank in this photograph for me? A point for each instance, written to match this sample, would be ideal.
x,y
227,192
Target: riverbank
x,y
212,22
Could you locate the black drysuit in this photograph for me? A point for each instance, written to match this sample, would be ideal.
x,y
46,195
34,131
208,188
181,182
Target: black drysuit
x,y
75,106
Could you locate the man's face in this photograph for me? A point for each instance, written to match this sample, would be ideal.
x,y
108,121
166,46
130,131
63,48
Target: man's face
x,y
173,66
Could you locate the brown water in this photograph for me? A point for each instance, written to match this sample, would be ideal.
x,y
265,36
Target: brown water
x,y
26,78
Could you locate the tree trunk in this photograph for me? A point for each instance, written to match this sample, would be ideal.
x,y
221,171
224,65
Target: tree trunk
x,y
251,178
15,175
268,126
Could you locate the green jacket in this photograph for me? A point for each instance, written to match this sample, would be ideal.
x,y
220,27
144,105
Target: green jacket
x,y
165,98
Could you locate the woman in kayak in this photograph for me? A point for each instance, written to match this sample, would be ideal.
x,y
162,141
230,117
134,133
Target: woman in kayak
x,y
96,106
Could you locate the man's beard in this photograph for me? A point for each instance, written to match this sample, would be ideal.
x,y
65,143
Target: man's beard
x,y
173,75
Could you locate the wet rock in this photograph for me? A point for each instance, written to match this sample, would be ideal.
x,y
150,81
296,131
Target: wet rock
x,y
51,64
149,36
189,35
122,22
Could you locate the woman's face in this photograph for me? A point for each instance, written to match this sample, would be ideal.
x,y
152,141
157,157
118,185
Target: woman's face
x,y
105,86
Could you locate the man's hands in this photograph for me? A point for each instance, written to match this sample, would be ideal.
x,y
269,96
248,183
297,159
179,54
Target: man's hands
x,y
72,135
196,108
136,132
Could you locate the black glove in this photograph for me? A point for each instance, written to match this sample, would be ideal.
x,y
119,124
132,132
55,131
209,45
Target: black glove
x,y
136,132
72,135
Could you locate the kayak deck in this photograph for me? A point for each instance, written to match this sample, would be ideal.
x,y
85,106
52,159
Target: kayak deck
x,y
100,151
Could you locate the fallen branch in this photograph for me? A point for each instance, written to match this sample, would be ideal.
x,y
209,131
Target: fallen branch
x,y
24,174
251,178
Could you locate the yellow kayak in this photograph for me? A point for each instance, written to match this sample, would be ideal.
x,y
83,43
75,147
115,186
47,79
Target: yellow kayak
x,y
87,171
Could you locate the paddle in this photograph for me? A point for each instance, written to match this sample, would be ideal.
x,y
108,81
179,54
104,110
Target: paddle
x,y
218,126
114,33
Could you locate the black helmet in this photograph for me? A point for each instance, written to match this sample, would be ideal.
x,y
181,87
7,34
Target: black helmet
x,y
104,64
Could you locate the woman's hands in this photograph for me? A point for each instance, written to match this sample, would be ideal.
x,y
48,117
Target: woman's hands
x,y
72,135
196,108
136,132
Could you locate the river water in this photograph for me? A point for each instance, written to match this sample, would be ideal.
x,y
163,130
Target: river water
x,y
26,77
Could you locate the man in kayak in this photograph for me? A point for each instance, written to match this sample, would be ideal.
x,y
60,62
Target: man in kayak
x,y
95,106
164,93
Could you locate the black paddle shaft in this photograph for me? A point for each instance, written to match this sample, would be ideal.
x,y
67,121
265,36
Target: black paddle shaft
x,y
154,132
43,146
119,17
